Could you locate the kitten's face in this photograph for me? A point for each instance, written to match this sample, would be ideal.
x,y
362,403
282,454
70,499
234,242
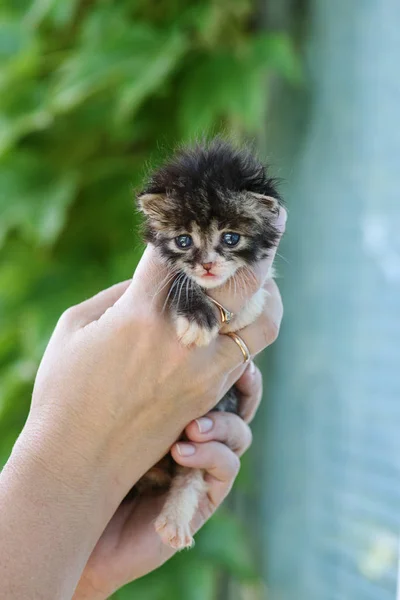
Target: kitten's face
x,y
210,240
209,256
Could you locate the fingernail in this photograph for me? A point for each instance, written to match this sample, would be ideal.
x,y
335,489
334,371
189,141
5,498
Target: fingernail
x,y
252,368
204,424
185,449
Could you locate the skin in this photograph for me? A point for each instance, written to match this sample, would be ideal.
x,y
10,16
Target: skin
x,y
98,422
129,547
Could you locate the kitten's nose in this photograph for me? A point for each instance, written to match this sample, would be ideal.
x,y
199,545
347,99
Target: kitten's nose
x,y
207,266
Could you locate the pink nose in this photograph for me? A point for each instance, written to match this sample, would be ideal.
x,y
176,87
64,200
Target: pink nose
x,y
208,266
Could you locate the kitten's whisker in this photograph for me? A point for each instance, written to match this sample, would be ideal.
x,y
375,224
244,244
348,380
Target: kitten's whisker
x,y
190,288
245,282
181,288
187,291
166,300
167,279
283,258
250,273
249,277
229,285
237,283
243,286
171,271
234,282
173,288
177,284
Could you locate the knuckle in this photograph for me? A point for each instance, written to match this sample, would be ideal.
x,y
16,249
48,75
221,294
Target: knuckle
x,y
205,393
241,441
270,332
274,331
235,465
203,387
68,317
248,439
222,426
144,319
209,402
256,388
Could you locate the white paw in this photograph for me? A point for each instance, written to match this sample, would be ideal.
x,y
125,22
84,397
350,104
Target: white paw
x,y
174,534
189,332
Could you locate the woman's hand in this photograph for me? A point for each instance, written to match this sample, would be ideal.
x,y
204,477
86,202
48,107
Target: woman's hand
x,y
129,547
113,392
117,384
115,387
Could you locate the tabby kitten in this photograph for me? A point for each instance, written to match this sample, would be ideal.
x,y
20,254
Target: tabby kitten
x,y
211,212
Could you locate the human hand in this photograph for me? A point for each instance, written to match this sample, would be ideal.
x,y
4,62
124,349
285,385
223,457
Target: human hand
x,y
116,383
129,547
112,394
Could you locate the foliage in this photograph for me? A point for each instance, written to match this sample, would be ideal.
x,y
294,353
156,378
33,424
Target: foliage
x,y
90,92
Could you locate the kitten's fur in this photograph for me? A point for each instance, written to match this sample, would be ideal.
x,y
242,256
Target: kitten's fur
x,y
205,192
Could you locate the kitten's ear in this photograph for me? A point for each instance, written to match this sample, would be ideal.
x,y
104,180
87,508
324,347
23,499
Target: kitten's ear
x,y
152,205
270,204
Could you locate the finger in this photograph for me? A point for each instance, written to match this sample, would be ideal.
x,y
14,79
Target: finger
x,y
249,280
151,282
92,309
214,457
257,336
227,428
220,463
250,389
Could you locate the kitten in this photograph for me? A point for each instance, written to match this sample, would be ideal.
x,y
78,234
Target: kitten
x,y
210,211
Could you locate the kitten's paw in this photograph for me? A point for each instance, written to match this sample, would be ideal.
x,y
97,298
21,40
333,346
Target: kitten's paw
x,y
174,534
190,332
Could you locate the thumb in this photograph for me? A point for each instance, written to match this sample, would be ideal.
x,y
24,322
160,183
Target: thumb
x,y
150,283
92,309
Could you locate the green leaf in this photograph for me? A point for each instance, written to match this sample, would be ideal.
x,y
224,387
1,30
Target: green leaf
x,y
59,11
117,60
19,53
276,51
34,198
223,541
197,579
223,87
209,92
22,112
152,76
15,39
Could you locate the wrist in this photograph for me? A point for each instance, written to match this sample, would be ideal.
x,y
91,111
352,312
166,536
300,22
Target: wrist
x,y
63,468
53,512
70,458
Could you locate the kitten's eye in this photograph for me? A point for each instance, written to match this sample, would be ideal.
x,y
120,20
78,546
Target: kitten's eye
x,y
230,238
183,241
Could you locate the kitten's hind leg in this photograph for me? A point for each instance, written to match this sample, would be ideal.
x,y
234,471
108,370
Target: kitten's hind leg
x,y
173,523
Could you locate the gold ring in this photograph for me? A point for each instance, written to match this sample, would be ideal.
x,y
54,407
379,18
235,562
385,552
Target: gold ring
x,y
226,315
243,347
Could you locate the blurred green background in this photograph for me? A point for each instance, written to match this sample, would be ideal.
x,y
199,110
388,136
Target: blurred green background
x,y
92,94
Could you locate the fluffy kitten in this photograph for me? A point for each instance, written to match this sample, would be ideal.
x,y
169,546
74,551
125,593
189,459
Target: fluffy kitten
x,y
210,211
